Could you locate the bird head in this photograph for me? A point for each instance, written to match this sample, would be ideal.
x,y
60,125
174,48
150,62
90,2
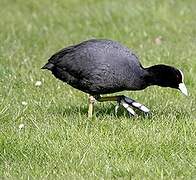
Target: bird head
x,y
167,76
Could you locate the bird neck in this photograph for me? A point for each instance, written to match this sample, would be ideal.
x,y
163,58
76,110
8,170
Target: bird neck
x,y
155,76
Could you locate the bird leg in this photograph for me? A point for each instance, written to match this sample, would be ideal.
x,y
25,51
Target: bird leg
x,y
91,100
125,101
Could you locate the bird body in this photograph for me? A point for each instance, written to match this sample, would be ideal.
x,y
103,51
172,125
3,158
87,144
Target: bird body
x,y
98,67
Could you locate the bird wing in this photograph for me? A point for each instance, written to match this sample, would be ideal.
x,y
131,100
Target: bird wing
x,y
71,60
93,57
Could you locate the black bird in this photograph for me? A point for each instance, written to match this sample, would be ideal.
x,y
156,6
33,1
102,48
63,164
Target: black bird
x,y
100,66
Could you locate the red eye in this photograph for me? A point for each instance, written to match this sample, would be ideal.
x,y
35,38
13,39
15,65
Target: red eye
x,y
178,77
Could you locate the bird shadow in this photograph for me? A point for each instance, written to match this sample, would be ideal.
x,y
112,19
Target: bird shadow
x,y
99,111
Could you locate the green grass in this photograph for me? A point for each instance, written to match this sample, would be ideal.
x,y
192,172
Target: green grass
x,y
58,141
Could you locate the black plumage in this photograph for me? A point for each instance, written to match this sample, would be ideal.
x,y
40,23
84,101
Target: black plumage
x,y
100,66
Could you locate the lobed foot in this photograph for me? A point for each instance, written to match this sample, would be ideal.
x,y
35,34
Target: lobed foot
x,y
127,102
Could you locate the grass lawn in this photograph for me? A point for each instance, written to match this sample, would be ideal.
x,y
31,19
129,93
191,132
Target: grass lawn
x,y
44,129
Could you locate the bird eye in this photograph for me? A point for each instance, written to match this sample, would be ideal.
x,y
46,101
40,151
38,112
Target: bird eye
x,y
178,77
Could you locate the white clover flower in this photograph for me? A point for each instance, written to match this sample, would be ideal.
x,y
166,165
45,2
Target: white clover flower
x,y
24,103
21,126
38,83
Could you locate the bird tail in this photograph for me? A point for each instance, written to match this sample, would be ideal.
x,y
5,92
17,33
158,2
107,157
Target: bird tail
x,y
48,66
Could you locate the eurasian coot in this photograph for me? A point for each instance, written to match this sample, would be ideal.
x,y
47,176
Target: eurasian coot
x,y
100,66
